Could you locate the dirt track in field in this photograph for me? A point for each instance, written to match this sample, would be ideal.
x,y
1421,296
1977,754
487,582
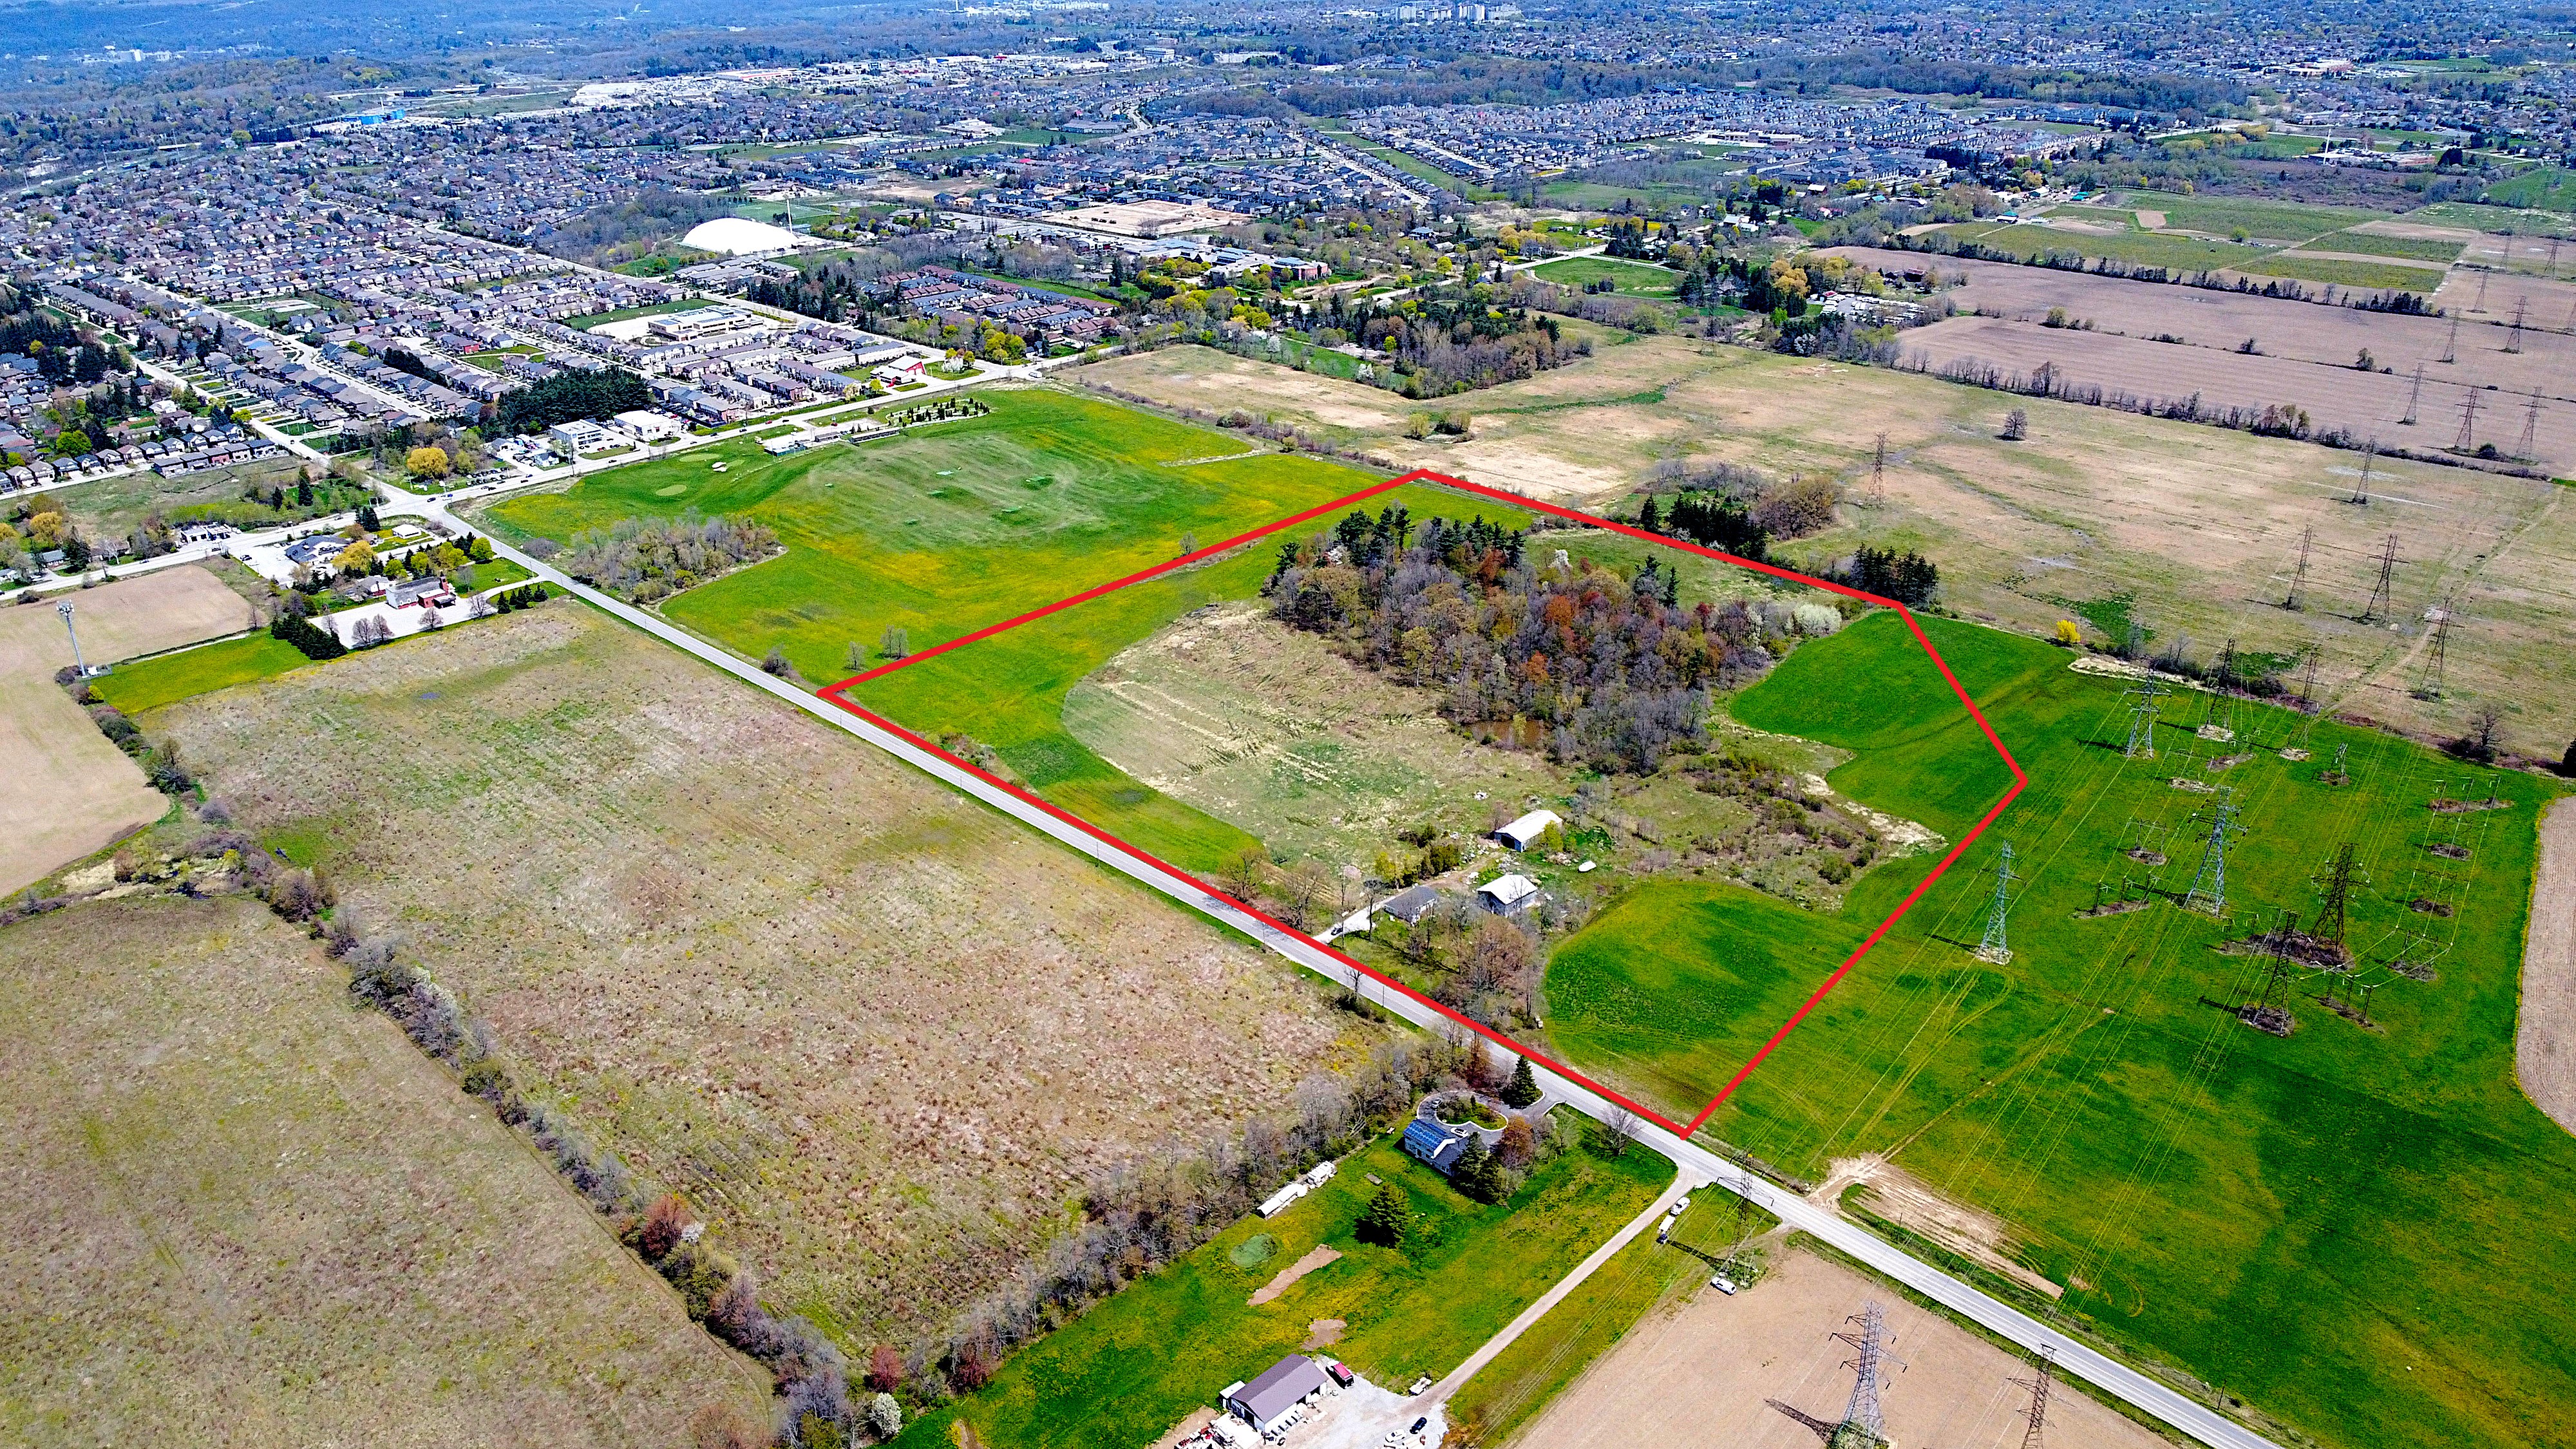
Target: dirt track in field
x,y
1699,1375
71,791
2545,1048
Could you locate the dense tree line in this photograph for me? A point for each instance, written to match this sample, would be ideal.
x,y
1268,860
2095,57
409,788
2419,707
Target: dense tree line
x,y
646,560
569,395
1611,671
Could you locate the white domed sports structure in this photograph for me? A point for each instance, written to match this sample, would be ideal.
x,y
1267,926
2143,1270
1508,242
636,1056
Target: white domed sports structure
x,y
739,237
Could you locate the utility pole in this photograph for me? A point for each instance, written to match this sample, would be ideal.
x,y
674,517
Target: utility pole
x,y
2142,719
65,609
2468,424
1994,948
2043,1369
2361,486
1864,1424
2379,592
2414,395
2530,427
2299,575
2428,683
2334,893
2209,886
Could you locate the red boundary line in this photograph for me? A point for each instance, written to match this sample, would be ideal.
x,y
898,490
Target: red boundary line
x,y
838,694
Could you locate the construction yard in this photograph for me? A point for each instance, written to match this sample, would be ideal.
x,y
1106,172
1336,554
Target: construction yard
x,y
875,1034
2100,516
241,1212
74,791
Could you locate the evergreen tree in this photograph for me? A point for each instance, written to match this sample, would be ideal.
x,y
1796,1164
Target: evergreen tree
x,y
1522,1089
1650,518
1477,1173
1389,1217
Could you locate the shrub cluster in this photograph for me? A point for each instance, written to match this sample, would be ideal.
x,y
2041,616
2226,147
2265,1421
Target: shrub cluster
x,y
1610,669
645,560
315,641
527,597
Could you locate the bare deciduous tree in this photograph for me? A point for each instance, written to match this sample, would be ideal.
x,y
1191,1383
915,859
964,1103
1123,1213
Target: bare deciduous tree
x,y
1623,1129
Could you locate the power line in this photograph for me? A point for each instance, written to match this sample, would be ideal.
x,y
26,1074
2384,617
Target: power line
x,y
2379,592
1994,948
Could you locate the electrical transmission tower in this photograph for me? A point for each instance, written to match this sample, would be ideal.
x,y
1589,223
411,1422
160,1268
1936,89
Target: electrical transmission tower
x,y
2361,486
2209,887
1864,1424
2308,677
2043,1370
1878,472
2451,344
2530,427
2142,719
2334,893
2223,679
2468,424
2513,339
2268,1014
2379,592
2299,575
2428,683
2484,276
1994,948
2414,395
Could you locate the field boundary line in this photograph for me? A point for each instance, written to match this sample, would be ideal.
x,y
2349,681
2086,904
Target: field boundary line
x,y
838,694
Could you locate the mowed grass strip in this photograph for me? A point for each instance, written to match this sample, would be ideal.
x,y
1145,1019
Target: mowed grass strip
x,y
152,683
948,527
2294,1221
1633,278
1007,691
1134,1365
258,1215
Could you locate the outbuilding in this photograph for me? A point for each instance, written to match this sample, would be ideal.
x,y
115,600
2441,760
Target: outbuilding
x,y
1523,833
1507,895
1411,905
1280,1389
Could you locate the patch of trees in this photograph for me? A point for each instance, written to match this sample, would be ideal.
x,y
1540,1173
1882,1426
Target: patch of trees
x,y
569,395
1907,577
644,560
314,641
607,234
1454,339
1608,671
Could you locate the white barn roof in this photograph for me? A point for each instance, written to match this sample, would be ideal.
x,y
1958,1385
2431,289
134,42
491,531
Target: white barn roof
x,y
1522,832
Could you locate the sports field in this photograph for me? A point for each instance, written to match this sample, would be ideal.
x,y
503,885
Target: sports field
x,y
242,1212
948,527
1131,1367
2294,1221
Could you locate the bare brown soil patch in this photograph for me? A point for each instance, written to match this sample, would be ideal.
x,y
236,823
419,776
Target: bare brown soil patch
x,y
877,1033
2545,1045
1286,1278
253,1215
1899,1196
1323,1333
1701,1374
71,791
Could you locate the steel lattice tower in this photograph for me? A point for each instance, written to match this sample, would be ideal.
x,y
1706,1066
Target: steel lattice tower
x,y
2468,436
2142,719
2334,890
2530,427
2361,485
1864,1422
2451,344
2379,592
2414,394
2043,1371
1994,947
2428,684
2209,887
2513,343
2299,576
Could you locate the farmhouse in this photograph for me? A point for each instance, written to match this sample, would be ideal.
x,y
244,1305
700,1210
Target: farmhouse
x,y
1270,1398
433,592
1435,1143
1507,895
1523,833
1411,905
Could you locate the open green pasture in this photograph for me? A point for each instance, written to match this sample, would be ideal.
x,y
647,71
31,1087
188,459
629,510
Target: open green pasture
x,y
2358,1230
1634,279
2142,248
1008,691
2280,222
947,527
1135,1364
152,683
2336,271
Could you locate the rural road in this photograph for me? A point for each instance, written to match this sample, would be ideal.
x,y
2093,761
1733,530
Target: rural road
x,y
1697,1164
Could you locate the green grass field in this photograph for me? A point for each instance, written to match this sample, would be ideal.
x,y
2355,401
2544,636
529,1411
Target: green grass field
x,y
1133,1365
152,683
1635,279
2338,272
2296,1221
2281,222
2142,248
2548,188
947,528
2413,248
1008,691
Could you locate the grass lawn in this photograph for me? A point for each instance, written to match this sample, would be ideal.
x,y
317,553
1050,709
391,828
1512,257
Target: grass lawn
x,y
2144,248
1008,691
1134,1365
583,324
950,526
2292,1220
498,573
1635,279
152,683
